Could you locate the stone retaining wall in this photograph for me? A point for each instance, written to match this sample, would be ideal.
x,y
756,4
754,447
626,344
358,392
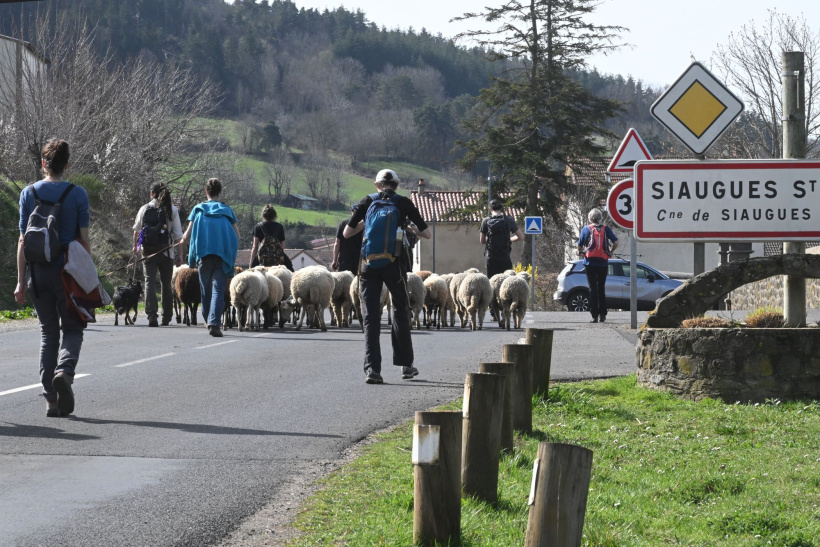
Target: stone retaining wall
x,y
747,365
769,293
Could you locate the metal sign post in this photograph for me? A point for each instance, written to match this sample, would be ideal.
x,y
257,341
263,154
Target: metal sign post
x,y
533,226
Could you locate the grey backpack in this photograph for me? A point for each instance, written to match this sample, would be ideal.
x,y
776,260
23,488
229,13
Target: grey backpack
x,y
41,240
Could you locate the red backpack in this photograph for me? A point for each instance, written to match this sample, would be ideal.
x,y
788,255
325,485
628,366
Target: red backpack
x,y
598,244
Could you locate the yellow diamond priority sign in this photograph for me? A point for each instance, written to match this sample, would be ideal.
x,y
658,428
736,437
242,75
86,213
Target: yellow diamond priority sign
x,y
697,108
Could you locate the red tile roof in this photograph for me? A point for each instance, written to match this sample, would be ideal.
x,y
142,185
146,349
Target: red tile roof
x,y
438,205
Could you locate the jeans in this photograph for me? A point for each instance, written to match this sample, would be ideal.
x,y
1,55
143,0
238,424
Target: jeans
x,y
212,280
372,280
596,277
164,265
53,315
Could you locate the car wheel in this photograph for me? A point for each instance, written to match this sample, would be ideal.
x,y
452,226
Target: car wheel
x,y
578,301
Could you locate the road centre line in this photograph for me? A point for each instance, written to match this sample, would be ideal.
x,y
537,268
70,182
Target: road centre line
x,y
138,361
33,386
217,344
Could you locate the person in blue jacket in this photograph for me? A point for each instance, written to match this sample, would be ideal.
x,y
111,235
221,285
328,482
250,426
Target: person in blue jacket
x,y
214,240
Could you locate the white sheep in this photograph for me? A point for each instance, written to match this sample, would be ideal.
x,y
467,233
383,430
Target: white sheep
x,y
285,276
341,300
435,299
455,283
450,307
474,294
249,290
275,291
384,299
415,296
312,288
515,294
495,304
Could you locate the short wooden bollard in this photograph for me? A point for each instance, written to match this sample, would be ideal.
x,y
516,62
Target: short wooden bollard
x,y
521,357
505,370
558,495
437,477
541,342
481,435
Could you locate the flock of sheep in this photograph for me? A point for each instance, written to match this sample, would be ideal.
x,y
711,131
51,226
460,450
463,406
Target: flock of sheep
x,y
256,297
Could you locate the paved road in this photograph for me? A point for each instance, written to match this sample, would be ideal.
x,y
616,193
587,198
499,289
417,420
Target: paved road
x,y
178,437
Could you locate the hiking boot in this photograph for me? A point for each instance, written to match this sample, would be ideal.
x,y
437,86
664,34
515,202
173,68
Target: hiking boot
x,y
373,377
594,320
602,319
51,409
409,372
166,322
65,395
153,323
215,331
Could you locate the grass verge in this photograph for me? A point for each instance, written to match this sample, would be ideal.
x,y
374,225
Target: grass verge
x,y
665,471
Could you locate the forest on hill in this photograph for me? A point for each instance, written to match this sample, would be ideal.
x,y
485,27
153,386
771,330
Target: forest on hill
x,y
271,98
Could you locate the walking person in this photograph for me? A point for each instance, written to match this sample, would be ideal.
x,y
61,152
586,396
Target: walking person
x,y
495,236
380,217
58,357
347,251
596,244
269,241
157,230
214,240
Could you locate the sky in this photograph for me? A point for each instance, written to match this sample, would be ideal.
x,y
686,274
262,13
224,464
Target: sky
x,y
664,35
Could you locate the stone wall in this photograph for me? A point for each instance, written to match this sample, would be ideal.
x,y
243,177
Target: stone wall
x,y
769,293
747,365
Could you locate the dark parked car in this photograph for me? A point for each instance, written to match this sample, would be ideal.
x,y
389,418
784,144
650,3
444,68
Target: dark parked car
x,y
573,290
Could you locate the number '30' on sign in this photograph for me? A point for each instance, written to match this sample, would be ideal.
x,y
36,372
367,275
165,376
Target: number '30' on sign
x,y
620,204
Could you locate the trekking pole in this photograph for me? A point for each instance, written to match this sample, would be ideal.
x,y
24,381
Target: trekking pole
x,y
136,262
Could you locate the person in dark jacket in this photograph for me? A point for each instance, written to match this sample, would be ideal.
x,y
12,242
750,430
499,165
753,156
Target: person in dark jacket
x,y
394,276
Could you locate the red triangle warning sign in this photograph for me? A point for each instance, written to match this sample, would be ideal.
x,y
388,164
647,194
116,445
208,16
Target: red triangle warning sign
x,y
631,151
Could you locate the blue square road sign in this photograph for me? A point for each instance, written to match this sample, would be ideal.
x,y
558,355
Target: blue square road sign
x,y
533,225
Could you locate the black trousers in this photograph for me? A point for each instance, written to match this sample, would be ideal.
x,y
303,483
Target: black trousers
x,y
596,277
372,280
497,265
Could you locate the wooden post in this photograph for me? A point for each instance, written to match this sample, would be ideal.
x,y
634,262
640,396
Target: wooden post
x,y
437,478
794,146
505,370
558,495
541,342
521,357
481,435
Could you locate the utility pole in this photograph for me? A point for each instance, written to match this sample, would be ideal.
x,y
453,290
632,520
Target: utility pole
x,y
794,147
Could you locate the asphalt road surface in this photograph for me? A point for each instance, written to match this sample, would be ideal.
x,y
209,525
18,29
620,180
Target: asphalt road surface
x,y
178,437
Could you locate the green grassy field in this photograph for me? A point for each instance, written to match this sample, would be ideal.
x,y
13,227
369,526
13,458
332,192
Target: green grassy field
x,y
665,472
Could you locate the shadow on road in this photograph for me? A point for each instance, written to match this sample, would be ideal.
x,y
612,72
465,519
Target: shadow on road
x,y
201,428
17,430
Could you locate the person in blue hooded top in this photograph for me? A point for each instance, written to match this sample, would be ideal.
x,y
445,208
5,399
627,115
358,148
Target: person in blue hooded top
x,y
214,240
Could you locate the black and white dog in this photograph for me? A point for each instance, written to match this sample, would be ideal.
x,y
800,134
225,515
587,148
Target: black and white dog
x,y
126,299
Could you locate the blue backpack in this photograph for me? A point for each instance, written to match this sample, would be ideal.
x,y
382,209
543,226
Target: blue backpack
x,y
381,222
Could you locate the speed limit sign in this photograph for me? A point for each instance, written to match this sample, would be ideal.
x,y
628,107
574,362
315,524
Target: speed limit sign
x,y
621,204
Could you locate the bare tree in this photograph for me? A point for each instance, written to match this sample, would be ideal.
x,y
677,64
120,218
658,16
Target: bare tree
x,y
280,173
750,63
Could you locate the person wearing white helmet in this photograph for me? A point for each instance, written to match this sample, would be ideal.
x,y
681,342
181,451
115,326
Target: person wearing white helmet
x,y
384,269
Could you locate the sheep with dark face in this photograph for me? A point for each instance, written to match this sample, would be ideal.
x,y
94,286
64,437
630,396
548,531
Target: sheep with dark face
x,y
187,289
514,296
125,299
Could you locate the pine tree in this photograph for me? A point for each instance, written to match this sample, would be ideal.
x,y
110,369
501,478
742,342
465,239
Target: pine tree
x,y
535,119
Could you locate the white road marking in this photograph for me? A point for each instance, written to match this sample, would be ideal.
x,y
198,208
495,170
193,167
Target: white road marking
x,y
530,320
138,361
217,344
259,335
34,386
